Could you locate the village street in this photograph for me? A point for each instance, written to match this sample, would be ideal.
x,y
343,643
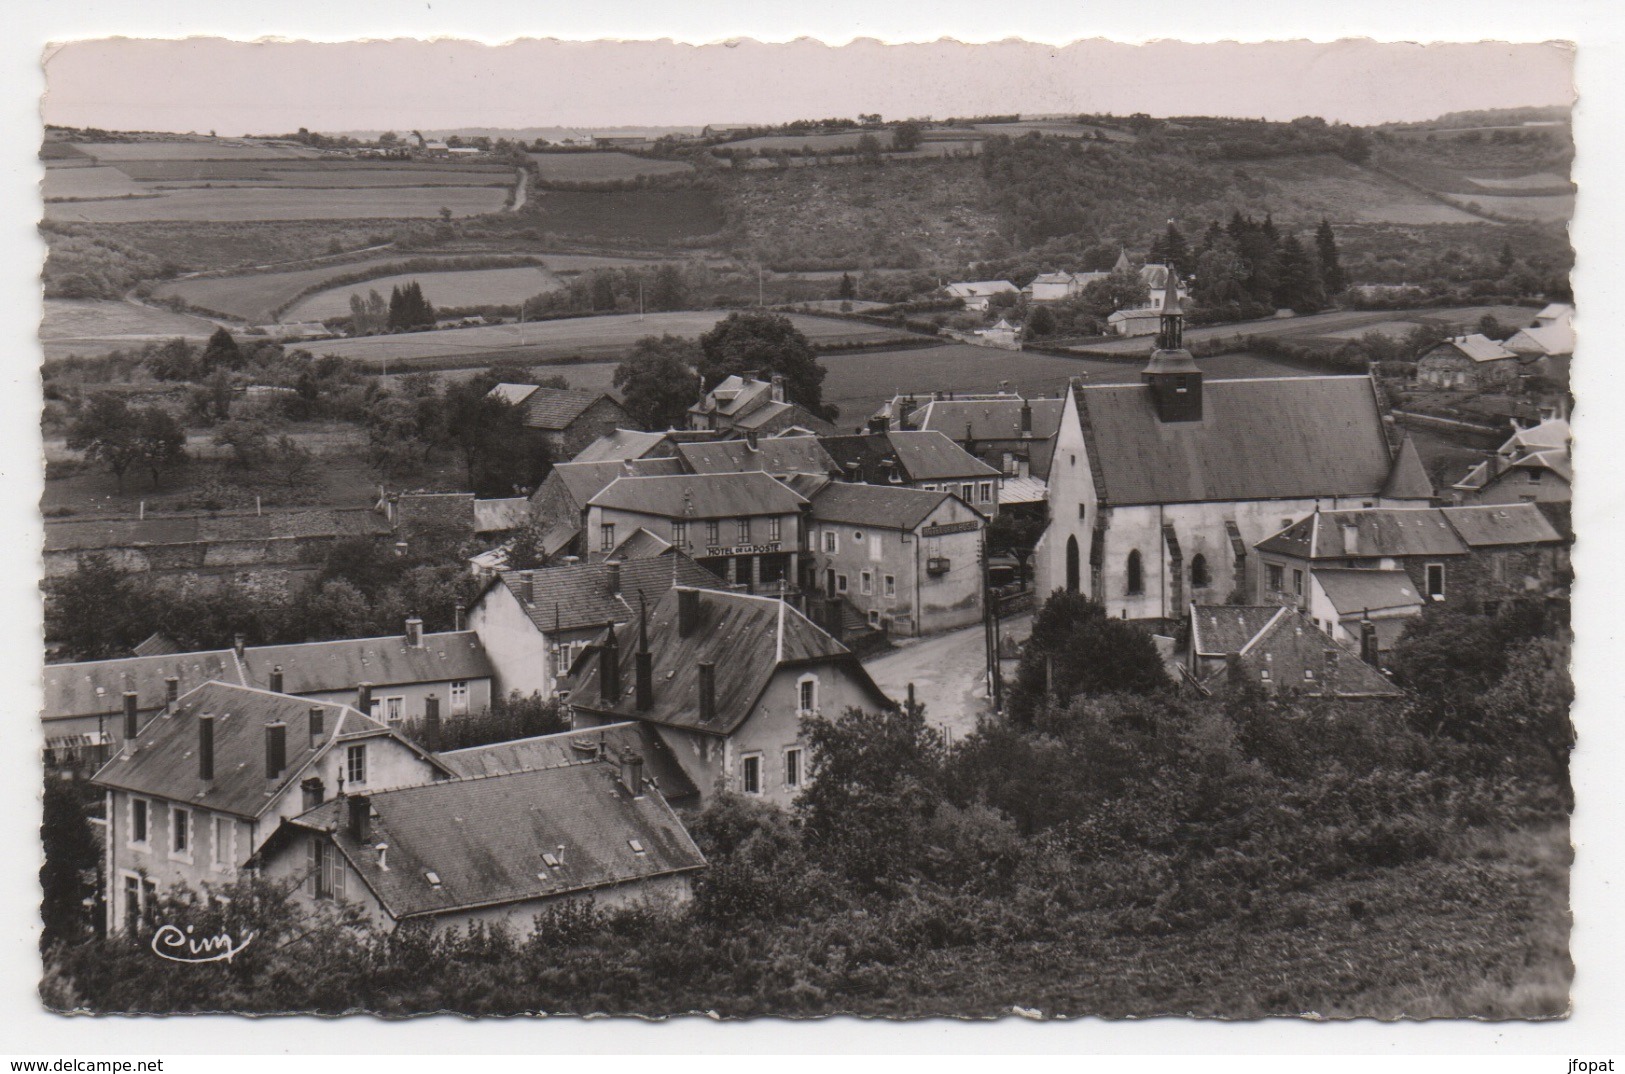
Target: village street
x,y
948,673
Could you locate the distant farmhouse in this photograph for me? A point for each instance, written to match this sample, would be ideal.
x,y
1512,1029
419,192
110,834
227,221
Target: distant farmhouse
x,y
568,420
746,404
1468,363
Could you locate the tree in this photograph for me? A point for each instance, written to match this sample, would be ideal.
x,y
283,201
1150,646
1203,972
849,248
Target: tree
x,y
248,439
1300,288
847,288
90,610
1169,249
160,440
72,858
105,431
408,308
668,292
499,453
905,136
221,352
393,445
868,149
1014,534
1040,323
766,343
1118,291
657,381
1331,269
294,463
1075,649
1221,274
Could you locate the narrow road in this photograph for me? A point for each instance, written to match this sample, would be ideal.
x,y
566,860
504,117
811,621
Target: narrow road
x,y
948,672
520,191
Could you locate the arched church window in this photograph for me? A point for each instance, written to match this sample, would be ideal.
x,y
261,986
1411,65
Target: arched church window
x,y
1136,575
1201,577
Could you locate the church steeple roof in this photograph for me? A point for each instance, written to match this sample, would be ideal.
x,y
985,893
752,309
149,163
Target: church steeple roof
x,y
1123,263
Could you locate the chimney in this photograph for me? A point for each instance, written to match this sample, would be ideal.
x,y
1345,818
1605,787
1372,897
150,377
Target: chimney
x,y
879,424
612,575
317,725
1368,643
276,748
431,720
1026,419
1351,539
632,773
360,818
688,611
311,793
457,617
527,588
414,633
172,690
237,645
363,699
644,662
708,691
609,668
749,375
276,679
905,407
778,387
132,725
205,747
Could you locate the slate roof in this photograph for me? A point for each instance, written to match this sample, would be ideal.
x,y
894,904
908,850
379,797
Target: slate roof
x,y
1502,524
792,413
320,666
90,534
1016,490
157,644
1299,657
1353,590
1546,339
96,687
920,455
512,394
990,419
483,839
1551,433
1408,479
1217,629
581,746
747,638
164,763
577,596
436,509
981,288
700,496
620,445
584,480
1259,439
1379,532
1477,346
773,455
733,395
639,544
876,506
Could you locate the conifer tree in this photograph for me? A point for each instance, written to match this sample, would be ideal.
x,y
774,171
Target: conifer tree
x,y
1331,269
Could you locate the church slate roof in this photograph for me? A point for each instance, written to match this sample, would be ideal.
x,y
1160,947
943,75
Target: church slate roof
x,y
1259,439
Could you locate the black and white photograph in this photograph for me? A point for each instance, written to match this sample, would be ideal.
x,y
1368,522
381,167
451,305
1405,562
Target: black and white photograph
x,y
777,529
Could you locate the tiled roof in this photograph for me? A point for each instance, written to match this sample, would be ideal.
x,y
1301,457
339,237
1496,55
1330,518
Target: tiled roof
x,y
1023,490
96,687
981,288
639,544
1259,439
1547,339
484,839
499,516
1502,524
578,596
700,496
734,395
584,480
1299,657
773,455
1551,433
512,394
620,445
747,638
321,666
157,644
582,746
919,455
785,414
1353,591
165,764
90,534
1478,347
1217,629
879,506
1408,478
556,408
436,509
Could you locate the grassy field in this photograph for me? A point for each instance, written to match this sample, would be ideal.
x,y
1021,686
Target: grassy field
x,y
68,181
650,216
818,143
267,203
609,337
88,326
602,167
496,286
191,150
1313,185
1340,325
1546,207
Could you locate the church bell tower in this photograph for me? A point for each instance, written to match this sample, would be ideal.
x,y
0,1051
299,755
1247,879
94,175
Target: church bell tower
x,y
1171,376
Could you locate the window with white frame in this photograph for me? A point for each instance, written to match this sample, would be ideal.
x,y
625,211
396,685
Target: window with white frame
x,y
750,773
866,583
967,491
325,875
775,528
355,764
1276,576
222,843
985,491
459,697
713,532
679,533
875,550
832,542
140,823
889,582
140,899
793,772
180,833
394,710
807,694
1435,581
840,583
741,531
606,537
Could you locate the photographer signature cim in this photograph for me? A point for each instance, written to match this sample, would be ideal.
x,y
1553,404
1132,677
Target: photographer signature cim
x,y
176,945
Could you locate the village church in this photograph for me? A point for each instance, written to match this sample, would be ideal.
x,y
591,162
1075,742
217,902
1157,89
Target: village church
x,y
1159,490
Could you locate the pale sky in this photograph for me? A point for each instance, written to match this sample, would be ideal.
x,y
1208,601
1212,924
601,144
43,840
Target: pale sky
x,y
236,88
